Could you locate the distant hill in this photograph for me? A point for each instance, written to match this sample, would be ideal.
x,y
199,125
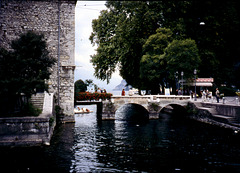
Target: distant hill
x,y
121,86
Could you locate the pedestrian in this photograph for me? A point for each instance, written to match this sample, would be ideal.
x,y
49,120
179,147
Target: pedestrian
x,y
191,93
179,92
203,96
217,93
99,90
123,92
130,92
207,95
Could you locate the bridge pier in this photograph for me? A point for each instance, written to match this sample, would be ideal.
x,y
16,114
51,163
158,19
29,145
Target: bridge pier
x,y
154,109
108,110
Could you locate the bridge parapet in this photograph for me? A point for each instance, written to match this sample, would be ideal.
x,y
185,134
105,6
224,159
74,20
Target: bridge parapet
x,y
154,97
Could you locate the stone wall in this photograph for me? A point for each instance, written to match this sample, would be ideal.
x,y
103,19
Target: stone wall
x,y
205,112
42,16
29,131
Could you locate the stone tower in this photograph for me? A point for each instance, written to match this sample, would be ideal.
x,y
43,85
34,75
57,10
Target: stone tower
x,y
56,20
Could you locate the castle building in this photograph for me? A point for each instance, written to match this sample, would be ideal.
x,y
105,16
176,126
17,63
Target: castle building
x,y
55,19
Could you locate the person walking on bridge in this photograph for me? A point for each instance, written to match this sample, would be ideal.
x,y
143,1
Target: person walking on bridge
x,y
217,93
123,92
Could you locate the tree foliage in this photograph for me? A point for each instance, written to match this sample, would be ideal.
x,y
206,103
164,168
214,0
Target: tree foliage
x,y
182,55
153,64
119,33
123,30
163,56
81,86
24,68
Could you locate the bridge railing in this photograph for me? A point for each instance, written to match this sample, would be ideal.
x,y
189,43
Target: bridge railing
x,y
155,97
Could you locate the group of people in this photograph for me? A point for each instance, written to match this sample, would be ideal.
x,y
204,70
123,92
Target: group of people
x,y
131,92
205,94
83,110
99,91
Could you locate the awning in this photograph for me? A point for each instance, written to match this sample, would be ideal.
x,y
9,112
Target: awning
x,y
207,82
203,80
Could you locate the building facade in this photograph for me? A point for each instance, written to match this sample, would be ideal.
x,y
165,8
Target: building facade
x,y
55,19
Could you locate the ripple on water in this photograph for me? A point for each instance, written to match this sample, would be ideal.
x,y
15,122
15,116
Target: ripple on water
x,y
167,144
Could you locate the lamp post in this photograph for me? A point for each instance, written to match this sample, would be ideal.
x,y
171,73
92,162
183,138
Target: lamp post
x,y
195,72
176,76
182,81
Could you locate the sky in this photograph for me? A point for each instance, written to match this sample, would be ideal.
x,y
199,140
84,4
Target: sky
x,y
85,12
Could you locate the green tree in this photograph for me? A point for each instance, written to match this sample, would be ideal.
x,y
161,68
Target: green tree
x,y
24,69
217,40
163,56
121,31
182,55
80,86
153,65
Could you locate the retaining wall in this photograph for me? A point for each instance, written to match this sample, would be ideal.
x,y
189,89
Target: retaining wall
x,y
29,131
204,115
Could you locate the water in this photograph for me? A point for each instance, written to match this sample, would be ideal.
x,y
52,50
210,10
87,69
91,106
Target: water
x,y
169,144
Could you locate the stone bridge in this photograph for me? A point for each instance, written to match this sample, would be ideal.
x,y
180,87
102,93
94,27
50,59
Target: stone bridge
x,y
152,103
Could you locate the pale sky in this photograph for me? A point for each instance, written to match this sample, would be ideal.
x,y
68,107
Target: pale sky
x,y
85,12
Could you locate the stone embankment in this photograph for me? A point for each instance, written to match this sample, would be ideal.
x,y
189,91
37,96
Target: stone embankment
x,y
223,115
30,131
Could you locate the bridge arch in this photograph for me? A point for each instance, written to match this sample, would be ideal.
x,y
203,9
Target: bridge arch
x,y
152,103
176,108
132,112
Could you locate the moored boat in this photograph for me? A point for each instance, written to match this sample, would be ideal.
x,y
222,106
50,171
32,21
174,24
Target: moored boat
x,y
79,110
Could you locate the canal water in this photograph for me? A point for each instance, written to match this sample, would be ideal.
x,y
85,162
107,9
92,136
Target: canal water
x,y
169,144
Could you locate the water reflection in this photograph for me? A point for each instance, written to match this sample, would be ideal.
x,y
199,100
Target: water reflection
x,y
165,145
54,158
85,143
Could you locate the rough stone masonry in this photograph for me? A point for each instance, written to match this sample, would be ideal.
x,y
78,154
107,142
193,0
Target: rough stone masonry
x,y
44,16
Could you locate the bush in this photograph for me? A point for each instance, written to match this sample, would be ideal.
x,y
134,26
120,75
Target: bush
x,y
30,110
58,110
227,91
